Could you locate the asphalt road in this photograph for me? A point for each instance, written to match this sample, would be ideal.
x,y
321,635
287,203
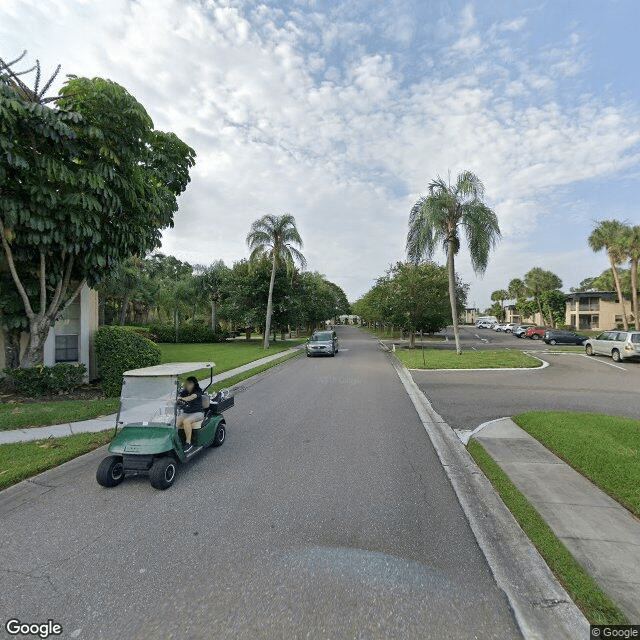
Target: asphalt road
x,y
572,382
326,514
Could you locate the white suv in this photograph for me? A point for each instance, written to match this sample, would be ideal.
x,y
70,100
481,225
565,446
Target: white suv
x,y
620,345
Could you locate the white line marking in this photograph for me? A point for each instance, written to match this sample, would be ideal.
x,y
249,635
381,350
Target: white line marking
x,y
609,364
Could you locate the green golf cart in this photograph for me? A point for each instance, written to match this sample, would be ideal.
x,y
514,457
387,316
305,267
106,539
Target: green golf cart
x,y
149,441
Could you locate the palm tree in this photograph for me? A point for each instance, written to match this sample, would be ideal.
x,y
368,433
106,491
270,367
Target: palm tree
x,y
632,247
609,235
500,296
439,218
517,289
277,238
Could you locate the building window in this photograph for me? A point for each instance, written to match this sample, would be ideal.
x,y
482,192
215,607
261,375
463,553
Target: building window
x,y
67,349
572,320
589,304
589,321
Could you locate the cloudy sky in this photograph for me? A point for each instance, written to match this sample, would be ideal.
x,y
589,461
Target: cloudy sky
x,y
341,112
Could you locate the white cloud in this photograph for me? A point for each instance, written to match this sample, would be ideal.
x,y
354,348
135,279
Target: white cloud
x,y
293,112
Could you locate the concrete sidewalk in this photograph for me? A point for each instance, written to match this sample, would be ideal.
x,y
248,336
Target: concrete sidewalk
x,y
106,422
601,534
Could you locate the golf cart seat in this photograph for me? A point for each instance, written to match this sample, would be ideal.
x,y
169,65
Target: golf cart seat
x,y
206,403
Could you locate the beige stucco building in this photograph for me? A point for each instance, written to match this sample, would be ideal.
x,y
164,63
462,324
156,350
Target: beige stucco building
x,y
512,315
598,310
70,340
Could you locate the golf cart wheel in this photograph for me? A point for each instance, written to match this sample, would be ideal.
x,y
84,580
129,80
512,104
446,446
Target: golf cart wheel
x,y
221,435
615,354
589,350
163,473
110,471
552,342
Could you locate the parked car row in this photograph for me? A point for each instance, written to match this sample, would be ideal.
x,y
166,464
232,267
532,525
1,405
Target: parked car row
x,y
619,345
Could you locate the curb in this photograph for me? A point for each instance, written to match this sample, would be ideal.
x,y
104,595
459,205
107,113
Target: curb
x,y
541,606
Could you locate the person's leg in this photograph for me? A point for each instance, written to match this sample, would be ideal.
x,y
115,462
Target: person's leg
x,y
187,425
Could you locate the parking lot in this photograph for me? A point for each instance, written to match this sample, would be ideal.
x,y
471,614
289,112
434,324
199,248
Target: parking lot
x,y
572,381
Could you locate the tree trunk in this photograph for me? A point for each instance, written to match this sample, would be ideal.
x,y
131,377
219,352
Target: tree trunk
x,y
452,296
634,293
616,278
247,335
11,347
412,339
214,320
102,309
34,354
175,324
267,328
124,306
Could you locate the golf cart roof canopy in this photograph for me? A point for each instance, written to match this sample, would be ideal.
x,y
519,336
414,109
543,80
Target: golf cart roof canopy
x,y
169,369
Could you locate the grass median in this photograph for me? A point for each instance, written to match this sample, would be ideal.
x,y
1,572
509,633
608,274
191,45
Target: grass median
x,y
583,589
481,359
21,415
605,449
21,460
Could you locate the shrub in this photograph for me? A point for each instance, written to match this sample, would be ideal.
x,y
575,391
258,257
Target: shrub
x,y
118,350
34,381
187,333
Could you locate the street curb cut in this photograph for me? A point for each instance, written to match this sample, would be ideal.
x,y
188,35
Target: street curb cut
x,y
541,606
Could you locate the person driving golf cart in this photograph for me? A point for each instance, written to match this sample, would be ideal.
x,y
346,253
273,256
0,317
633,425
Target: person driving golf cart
x,y
190,401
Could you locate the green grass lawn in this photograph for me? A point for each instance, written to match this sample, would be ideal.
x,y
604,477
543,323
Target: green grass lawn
x,y
605,449
481,359
22,460
583,589
37,414
227,355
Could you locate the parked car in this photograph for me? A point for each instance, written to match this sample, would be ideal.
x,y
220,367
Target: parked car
x,y
322,343
535,333
498,327
620,345
509,327
559,336
485,324
521,329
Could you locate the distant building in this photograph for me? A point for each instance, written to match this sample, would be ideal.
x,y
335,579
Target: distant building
x,y
598,310
513,315
346,319
469,315
70,339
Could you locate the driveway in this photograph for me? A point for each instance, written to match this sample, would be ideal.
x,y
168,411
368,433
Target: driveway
x,y
326,514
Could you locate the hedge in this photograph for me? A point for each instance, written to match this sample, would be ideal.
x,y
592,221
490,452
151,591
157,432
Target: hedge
x,y
118,350
34,381
187,333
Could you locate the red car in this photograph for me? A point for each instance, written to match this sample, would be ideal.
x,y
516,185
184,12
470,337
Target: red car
x,y
535,333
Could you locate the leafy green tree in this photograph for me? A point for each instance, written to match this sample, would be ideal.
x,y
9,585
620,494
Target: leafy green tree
x,y
84,184
553,306
277,238
212,281
537,281
440,217
610,236
587,284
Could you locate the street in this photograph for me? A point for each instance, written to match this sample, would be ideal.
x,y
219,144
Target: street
x,y
326,514
571,382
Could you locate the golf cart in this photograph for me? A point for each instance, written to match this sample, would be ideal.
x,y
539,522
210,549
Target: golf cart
x,y
149,441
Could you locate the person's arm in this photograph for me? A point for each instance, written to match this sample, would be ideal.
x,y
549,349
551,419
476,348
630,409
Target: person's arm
x,y
193,396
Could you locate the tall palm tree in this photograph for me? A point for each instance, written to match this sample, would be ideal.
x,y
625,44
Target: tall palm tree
x,y
440,217
277,238
517,289
632,247
609,235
